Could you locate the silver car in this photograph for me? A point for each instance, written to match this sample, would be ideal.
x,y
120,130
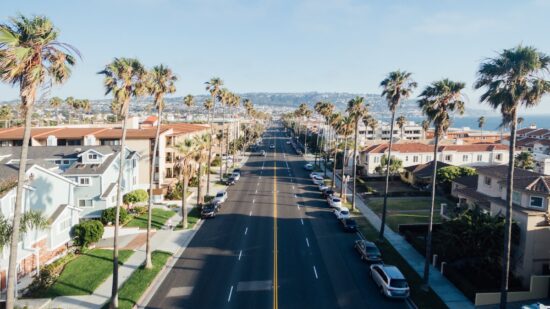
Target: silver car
x,y
390,281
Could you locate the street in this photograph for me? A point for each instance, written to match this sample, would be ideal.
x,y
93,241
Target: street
x,y
275,243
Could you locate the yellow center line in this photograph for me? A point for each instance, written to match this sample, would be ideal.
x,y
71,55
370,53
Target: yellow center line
x,y
275,271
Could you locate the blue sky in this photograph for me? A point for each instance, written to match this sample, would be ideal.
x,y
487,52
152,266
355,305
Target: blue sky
x,y
290,45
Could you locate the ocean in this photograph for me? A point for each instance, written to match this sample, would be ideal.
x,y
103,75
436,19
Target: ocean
x,y
492,123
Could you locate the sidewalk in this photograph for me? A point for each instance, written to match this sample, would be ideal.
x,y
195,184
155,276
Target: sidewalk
x,y
448,293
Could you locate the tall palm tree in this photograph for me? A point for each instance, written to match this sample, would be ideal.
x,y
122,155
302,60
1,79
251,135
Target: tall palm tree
x,y
189,101
224,99
186,167
213,86
513,79
357,112
345,129
520,121
398,85
209,105
30,57
125,78
55,103
401,121
334,122
437,101
480,124
425,126
161,81
326,111
201,157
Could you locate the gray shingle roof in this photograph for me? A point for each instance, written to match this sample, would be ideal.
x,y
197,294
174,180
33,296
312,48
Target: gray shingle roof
x,y
523,179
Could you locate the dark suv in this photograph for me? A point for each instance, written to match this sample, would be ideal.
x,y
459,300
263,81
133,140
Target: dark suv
x,y
209,210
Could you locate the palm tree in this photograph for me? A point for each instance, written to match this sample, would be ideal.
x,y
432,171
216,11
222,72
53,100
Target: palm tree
x,y
125,78
357,112
513,79
55,103
398,85
520,121
334,121
425,126
224,98
437,101
345,129
186,167
189,100
480,124
209,105
30,57
401,121
213,86
201,158
326,109
160,82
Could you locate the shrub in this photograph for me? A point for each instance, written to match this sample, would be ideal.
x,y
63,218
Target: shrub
x,y
108,215
139,210
216,162
135,196
194,182
48,275
87,232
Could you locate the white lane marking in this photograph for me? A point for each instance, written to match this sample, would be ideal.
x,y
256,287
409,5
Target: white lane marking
x,y
307,242
292,187
296,196
250,214
256,190
246,230
230,292
253,201
314,270
302,220
257,184
240,254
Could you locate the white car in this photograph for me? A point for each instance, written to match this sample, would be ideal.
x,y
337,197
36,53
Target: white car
x,y
314,174
334,201
288,142
389,280
220,197
271,146
308,167
322,187
341,213
318,179
236,176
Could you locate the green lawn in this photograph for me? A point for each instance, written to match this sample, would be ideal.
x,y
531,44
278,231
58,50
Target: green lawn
x,y
140,280
406,203
193,217
396,218
159,217
390,256
85,273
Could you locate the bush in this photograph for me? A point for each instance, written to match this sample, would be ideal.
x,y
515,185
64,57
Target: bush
x,y
139,210
136,196
194,182
87,232
48,275
108,216
216,162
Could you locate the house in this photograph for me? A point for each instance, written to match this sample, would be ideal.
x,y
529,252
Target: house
x,y
50,194
531,196
94,170
536,142
410,154
421,174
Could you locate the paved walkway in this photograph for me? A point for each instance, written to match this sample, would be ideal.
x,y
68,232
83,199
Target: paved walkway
x,y
448,293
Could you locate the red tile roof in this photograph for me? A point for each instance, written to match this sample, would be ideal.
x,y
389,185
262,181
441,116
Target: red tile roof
x,y
418,148
150,120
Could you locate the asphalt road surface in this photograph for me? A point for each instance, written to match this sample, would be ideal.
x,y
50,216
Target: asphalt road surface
x,y
274,244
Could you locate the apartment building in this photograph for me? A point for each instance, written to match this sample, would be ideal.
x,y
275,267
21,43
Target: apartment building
x,y
468,136
531,196
417,153
537,142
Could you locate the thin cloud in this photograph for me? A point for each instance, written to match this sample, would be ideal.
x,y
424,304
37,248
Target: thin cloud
x,y
455,24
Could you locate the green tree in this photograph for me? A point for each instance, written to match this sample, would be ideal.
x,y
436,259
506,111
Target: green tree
x,y
437,101
449,173
185,167
334,122
357,111
401,121
160,81
213,86
125,78
513,79
524,160
30,57
397,86
394,164
480,124
345,129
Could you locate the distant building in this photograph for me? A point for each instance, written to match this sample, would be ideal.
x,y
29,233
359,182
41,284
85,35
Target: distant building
x,y
537,142
421,174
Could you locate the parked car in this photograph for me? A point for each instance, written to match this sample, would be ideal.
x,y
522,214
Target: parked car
x,y
323,187
368,251
230,181
318,180
209,210
263,153
389,280
271,146
237,170
327,193
334,201
349,225
236,175
220,197
308,167
288,142
341,213
298,152
314,174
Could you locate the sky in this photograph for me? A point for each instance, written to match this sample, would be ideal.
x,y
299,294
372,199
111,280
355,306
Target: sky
x,y
290,45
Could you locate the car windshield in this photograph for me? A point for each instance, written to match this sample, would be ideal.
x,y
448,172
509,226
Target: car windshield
x,y
344,212
398,283
372,250
208,208
220,194
336,200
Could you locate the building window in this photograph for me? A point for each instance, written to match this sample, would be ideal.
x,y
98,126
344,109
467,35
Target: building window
x,y
66,162
479,158
406,158
57,162
464,158
92,156
376,159
516,197
428,158
134,180
499,157
415,159
449,158
65,224
487,180
85,203
536,201
84,181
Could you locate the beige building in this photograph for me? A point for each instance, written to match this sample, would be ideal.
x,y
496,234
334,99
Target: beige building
x,y
531,197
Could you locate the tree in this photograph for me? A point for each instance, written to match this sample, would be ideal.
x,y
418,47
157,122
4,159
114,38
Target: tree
x,y
449,173
213,86
398,85
520,121
6,114
425,126
394,164
357,112
326,111
189,100
186,167
513,79
437,101
304,111
524,160
401,121
201,157
125,78
345,129
480,124
370,122
160,81
334,121
30,57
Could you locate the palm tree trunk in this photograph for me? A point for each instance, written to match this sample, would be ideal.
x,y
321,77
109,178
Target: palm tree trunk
x,y
343,185
355,164
428,256
305,142
508,219
148,262
27,101
221,158
386,187
334,163
199,187
184,201
114,289
209,152
326,145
